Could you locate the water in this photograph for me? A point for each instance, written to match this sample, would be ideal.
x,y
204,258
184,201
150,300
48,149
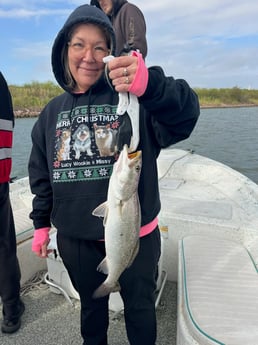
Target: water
x,y
21,146
228,135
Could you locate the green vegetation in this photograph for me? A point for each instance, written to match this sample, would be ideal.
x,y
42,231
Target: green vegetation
x,y
227,97
29,99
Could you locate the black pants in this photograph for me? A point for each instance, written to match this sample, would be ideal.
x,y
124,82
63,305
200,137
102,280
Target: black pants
x,y
9,267
138,284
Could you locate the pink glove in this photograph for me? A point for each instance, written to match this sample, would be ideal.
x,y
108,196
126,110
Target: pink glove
x,y
140,81
40,242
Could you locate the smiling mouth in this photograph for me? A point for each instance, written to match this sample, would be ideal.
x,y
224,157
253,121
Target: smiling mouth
x,y
89,70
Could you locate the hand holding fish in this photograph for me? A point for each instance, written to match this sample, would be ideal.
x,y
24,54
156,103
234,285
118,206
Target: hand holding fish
x,y
122,71
129,73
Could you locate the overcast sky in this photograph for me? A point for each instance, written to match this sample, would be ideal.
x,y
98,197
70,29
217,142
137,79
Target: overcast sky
x,y
210,43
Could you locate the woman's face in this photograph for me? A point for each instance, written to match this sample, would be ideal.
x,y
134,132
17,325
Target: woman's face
x,y
86,50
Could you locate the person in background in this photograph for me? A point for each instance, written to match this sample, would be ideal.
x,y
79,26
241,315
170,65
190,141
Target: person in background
x,y
13,306
129,25
72,157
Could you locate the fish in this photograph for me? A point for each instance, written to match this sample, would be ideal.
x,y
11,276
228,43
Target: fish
x,y
122,220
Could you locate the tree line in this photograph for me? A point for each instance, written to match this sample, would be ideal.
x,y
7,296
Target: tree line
x,y
29,99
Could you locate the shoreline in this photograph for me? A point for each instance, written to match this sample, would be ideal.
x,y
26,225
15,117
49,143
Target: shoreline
x,y
27,113
229,106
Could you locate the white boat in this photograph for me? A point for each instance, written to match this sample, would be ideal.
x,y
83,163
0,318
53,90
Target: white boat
x,y
211,251
209,223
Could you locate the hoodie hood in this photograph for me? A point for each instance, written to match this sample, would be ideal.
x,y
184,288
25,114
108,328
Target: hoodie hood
x,y
117,4
82,14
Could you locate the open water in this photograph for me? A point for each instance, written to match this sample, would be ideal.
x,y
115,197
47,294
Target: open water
x,y
228,135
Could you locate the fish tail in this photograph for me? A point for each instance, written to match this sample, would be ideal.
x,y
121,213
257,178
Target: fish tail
x,y
105,289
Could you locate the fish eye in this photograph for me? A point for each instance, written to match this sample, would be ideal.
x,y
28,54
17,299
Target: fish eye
x,y
137,168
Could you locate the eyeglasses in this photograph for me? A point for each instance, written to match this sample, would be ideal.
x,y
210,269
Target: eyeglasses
x,y
98,51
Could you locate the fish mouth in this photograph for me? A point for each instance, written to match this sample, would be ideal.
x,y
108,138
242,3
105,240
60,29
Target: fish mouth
x,y
133,155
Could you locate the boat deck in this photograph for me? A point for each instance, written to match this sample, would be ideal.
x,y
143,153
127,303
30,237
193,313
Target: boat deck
x,y
50,319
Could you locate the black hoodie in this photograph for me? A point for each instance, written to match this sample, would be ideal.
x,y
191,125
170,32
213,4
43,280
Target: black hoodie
x,y
69,169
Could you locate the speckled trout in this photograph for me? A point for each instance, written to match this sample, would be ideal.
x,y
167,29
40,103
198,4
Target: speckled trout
x,y
122,220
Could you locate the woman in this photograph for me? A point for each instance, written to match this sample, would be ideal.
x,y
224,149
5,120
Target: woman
x,y
69,173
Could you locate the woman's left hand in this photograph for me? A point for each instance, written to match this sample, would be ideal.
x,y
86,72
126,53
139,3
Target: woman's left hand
x,y
122,71
129,74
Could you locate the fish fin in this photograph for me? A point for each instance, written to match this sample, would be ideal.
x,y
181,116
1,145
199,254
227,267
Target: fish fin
x,y
101,211
134,253
105,289
103,267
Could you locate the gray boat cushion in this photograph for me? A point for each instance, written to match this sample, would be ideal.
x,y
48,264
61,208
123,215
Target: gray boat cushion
x,y
220,298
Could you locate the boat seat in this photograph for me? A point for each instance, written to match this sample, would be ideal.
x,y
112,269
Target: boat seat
x,y
217,293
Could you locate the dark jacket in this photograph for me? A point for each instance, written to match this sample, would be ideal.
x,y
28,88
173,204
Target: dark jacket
x,y
129,25
6,130
68,169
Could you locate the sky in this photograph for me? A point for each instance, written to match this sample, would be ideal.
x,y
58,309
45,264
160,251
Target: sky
x,y
209,43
